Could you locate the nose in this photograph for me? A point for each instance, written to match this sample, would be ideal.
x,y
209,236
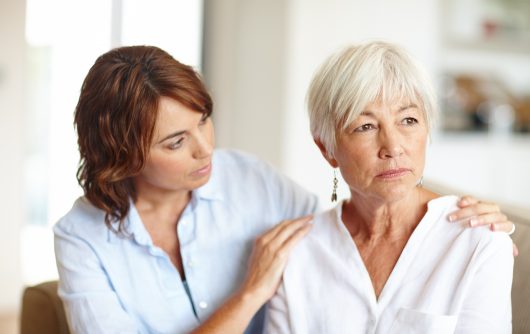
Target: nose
x,y
203,146
390,144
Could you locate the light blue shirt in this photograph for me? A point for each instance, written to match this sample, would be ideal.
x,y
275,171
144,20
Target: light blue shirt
x,y
115,284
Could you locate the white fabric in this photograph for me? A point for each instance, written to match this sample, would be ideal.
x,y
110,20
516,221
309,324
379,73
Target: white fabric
x,y
448,279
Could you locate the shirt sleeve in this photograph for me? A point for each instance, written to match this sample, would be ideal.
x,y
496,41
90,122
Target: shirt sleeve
x,y
91,305
487,306
277,316
290,199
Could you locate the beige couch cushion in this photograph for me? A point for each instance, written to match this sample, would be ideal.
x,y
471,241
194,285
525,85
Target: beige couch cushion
x,y
521,278
42,310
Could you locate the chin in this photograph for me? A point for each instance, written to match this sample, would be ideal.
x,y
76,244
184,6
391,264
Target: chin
x,y
199,182
396,192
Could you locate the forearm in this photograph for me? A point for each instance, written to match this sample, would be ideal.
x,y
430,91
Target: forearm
x,y
233,316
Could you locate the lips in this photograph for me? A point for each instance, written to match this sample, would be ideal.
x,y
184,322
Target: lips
x,y
203,170
393,173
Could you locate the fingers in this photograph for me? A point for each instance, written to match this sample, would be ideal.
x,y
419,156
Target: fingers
x,y
293,239
290,225
515,250
289,229
476,209
502,227
466,201
490,218
270,254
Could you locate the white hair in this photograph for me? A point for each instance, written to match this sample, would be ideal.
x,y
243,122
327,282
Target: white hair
x,y
360,74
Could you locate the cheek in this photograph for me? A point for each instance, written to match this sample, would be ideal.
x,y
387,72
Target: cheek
x,y
418,152
210,133
165,167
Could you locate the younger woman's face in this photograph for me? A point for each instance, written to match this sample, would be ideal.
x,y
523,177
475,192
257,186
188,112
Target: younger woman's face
x,y
181,150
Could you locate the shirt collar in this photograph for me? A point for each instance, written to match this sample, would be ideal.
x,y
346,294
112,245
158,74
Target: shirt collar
x,y
133,229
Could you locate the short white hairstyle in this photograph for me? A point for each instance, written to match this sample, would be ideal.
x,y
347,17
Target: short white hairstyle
x,y
360,74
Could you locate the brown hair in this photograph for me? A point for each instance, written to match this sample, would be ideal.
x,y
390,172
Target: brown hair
x,y
115,120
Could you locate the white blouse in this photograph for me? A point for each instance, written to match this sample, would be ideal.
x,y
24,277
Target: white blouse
x,y
448,279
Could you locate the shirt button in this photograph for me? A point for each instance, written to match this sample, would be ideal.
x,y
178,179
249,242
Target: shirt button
x,y
203,305
192,263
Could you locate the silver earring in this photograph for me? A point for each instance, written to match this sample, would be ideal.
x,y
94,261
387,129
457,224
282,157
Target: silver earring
x,y
335,183
420,182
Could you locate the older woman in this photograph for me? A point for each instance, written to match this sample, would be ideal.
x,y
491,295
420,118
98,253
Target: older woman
x,y
387,260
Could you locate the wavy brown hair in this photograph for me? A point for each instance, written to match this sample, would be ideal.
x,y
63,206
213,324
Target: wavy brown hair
x,y
115,119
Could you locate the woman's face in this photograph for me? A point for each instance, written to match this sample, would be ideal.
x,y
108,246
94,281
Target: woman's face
x,y
181,150
382,153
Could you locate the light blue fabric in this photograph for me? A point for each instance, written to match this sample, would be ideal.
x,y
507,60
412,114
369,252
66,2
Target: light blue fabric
x,y
115,284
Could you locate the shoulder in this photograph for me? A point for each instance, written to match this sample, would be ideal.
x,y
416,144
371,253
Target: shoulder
x,y
83,220
476,239
327,232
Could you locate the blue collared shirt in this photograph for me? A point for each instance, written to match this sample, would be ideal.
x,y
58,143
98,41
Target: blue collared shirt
x,y
115,284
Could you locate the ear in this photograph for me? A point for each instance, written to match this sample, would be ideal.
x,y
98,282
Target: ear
x,y
329,158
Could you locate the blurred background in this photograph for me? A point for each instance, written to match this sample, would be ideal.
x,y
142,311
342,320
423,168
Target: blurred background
x,y
257,57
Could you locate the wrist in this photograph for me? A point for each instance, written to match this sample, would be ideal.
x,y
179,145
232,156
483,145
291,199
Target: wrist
x,y
249,300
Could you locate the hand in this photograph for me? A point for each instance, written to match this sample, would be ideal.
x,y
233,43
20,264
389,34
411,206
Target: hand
x,y
269,257
480,213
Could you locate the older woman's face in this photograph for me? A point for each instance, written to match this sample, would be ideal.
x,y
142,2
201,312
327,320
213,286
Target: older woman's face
x,y
382,153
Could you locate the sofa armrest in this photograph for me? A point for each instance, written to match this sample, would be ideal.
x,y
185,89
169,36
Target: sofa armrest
x,y
42,310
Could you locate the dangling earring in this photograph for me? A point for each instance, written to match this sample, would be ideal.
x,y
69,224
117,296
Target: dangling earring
x,y
420,182
335,182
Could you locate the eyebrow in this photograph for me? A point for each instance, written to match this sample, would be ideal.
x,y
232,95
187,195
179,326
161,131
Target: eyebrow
x,y
172,135
178,133
412,105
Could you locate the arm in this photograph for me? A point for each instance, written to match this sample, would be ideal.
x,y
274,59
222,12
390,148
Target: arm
x,y
487,306
91,305
267,263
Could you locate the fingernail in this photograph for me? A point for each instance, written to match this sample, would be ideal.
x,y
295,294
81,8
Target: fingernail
x,y
473,222
452,218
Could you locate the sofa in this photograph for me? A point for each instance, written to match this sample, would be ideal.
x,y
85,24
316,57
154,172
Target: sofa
x,y
42,310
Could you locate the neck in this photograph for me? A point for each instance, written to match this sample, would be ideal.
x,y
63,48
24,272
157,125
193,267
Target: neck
x,y
164,204
371,218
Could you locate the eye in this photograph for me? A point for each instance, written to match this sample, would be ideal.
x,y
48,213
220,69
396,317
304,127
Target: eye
x,y
409,121
177,144
364,128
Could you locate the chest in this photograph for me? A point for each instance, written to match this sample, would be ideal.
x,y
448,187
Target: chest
x,y
380,259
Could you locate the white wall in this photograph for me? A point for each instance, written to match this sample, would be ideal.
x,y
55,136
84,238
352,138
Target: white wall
x,y
244,67
12,113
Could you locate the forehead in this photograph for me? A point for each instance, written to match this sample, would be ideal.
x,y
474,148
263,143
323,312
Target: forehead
x,y
395,105
174,116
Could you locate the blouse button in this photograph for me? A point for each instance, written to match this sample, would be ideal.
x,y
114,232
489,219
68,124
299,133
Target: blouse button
x,y
203,305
